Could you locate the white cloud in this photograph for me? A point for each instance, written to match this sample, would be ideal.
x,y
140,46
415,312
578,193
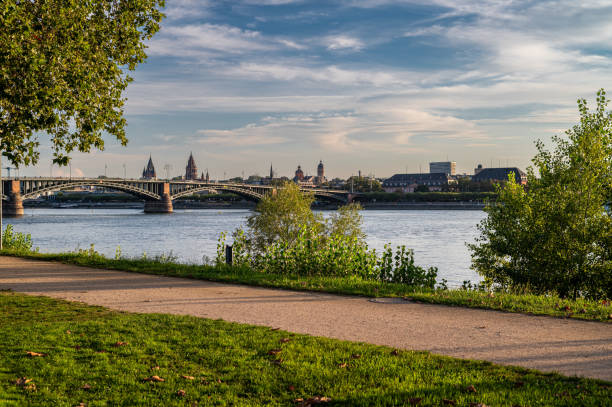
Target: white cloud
x,y
205,39
343,43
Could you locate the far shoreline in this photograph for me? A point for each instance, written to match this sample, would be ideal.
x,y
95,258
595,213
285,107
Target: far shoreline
x,y
251,205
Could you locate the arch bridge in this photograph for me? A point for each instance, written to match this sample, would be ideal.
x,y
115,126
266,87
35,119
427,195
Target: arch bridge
x,y
157,194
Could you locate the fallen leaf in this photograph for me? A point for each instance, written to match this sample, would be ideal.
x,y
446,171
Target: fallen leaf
x,y
274,351
181,393
22,381
219,381
35,354
119,344
154,379
471,389
480,327
188,377
69,332
395,352
30,387
285,340
448,402
342,365
81,405
311,401
274,329
414,401
478,405
86,387
355,356
155,368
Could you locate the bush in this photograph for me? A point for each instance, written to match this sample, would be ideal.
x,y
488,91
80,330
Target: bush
x,y
556,235
16,241
284,237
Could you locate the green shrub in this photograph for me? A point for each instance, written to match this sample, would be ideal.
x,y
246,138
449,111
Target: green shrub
x,y
556,235
284,237
16,241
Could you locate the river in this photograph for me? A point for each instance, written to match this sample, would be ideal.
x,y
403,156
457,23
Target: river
x,y
438,237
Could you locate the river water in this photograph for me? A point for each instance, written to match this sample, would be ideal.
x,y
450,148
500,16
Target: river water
x,y
438,237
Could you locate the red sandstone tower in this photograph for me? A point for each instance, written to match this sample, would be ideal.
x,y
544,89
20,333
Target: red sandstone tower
x,y
191,171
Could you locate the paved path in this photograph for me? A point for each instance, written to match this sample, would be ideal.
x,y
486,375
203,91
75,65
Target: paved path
x,y
570,347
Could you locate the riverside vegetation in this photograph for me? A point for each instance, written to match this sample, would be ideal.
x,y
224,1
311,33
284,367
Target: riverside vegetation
x,y
555,236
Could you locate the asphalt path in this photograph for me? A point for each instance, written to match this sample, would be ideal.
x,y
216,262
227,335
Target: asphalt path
x,y
567,346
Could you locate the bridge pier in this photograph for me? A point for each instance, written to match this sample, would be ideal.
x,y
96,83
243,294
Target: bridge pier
x,y
164,205
14,206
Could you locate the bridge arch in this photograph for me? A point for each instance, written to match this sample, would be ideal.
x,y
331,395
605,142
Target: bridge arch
x,y
129,189
329,197
245,193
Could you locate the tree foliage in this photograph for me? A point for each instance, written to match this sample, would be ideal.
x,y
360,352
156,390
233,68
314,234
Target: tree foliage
x,y
63,70
284,236
363,184
280,216
556,235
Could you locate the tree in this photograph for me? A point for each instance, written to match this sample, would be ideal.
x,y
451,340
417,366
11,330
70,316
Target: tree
x,y
63,70
556,235
362,184
281,215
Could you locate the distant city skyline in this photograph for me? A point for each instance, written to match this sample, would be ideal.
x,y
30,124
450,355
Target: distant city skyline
x,y
380,86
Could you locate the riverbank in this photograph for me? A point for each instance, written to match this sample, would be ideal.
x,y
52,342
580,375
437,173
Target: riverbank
x,y
69,353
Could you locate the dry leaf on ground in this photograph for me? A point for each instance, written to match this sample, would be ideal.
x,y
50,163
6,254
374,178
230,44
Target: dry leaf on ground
x,y
312,401
181,393
35,354
154,379
188,377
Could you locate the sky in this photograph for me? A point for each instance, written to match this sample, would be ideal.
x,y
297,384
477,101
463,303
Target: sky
x,y
381,86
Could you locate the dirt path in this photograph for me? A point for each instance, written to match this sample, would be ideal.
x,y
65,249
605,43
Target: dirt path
x,y
570,347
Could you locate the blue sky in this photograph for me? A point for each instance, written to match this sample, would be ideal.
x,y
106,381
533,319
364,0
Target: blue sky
x,y
379,86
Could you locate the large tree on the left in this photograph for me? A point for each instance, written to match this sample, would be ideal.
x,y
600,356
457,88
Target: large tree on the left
x,y
64,66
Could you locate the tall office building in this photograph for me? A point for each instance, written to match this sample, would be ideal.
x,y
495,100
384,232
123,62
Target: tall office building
x,y
443,167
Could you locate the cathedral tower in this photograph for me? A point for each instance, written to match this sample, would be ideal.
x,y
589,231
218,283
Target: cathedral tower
x,y
191,171
149,171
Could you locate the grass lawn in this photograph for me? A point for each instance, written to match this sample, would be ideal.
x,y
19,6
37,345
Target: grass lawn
x,y
99,357
522,303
